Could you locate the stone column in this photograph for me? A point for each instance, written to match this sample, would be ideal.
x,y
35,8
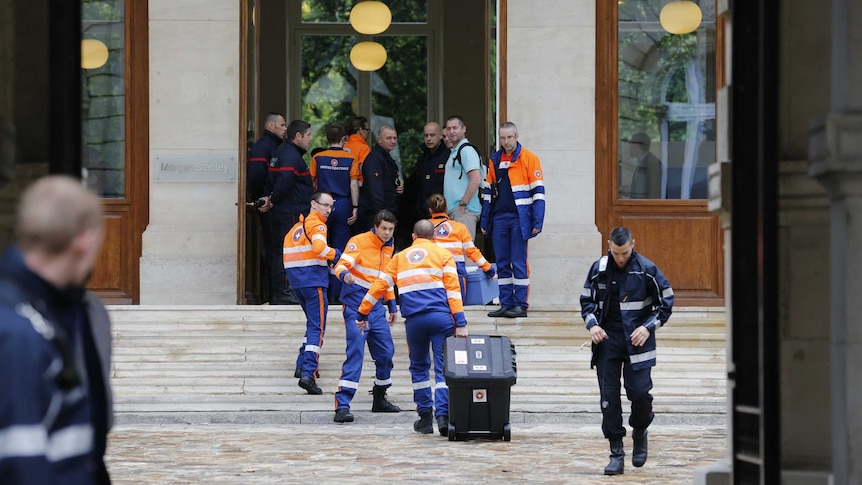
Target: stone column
x,y
835,152
190,246
556,120
836,162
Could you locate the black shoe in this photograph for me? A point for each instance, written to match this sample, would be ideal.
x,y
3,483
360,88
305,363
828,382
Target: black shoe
x,y
639,453
515,312
381,404
310,386
342,415
443,425
500,312
618,455
297,373
423,424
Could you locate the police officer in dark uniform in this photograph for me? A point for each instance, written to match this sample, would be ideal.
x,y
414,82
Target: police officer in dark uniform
x,y
260,155
625,299
292,188
381,183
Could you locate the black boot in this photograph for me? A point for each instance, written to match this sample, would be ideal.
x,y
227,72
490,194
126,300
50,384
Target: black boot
x,y
381,404
639,453
618,455
443,425
424,425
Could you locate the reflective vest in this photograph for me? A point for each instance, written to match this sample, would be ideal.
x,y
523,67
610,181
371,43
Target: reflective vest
x,y
454,237
427,281
306,253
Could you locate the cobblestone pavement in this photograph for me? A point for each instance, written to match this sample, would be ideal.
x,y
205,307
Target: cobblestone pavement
x,y
365,453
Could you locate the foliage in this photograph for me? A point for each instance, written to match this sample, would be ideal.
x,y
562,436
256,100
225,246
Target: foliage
x,y
103,100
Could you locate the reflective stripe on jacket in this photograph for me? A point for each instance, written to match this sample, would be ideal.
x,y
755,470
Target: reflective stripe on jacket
x,y
365,257
646,298
528,188
306,253
454,237
427,281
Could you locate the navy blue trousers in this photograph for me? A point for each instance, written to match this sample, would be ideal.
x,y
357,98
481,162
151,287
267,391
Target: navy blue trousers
x,y
612,356
314,304
379,339
424,331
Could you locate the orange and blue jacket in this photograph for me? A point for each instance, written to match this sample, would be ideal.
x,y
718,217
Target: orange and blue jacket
x,y
332,170
358,147
306,253
454,236
427,281
528,189
365,257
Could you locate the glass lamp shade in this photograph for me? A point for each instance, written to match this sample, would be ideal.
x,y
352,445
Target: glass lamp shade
x,y
368,56
94,53
370,17
680,17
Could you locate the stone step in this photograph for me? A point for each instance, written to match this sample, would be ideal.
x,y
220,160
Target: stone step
x,y
234,359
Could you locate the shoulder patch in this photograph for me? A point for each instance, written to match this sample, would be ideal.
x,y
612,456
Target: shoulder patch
x,y
351,247
538,174
321,228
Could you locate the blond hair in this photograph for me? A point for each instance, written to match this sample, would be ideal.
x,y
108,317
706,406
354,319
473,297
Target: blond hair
x,y
53,211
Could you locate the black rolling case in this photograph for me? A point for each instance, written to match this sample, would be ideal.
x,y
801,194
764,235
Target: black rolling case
x,y
480,371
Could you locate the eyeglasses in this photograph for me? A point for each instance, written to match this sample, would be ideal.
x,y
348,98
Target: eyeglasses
x,y
365,129
328,206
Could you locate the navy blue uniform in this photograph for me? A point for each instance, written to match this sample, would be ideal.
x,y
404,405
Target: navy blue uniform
x,y
621,300
292,189
430,168
260,156
55,404
380,179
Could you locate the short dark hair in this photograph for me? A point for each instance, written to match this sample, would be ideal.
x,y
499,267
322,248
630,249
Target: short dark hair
x,y
621,235
384,216
296,126
457,118
317,195
272,117
356,123
334,134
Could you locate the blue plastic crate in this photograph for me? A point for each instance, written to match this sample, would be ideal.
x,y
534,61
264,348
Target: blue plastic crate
x,y
481,290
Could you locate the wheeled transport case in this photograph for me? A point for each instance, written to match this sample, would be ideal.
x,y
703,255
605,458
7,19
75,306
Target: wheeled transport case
x,y
480,371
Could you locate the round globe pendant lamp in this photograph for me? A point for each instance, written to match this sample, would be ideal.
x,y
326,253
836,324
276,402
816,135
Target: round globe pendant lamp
x,y
370,17
94,53
368,56
680,17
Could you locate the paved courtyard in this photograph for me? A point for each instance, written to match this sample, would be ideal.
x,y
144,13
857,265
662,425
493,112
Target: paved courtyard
x,y
393,453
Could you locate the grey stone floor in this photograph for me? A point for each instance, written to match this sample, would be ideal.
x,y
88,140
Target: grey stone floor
x,y
393,453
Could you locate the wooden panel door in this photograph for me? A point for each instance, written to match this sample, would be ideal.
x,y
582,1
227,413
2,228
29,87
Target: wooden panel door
x,y
116,276
674,229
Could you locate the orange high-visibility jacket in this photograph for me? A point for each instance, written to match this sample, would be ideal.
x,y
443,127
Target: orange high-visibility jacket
x,y
427,281
306,253
455,237
365,257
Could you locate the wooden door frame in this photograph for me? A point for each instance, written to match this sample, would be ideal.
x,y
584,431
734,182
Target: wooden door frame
x,y
607,132
117,279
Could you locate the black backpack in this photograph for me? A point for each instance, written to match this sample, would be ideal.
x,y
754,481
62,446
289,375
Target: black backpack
x,y
483,162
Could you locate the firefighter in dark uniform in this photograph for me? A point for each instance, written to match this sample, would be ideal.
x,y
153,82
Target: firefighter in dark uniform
x,y
292,188
260,155
625,299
